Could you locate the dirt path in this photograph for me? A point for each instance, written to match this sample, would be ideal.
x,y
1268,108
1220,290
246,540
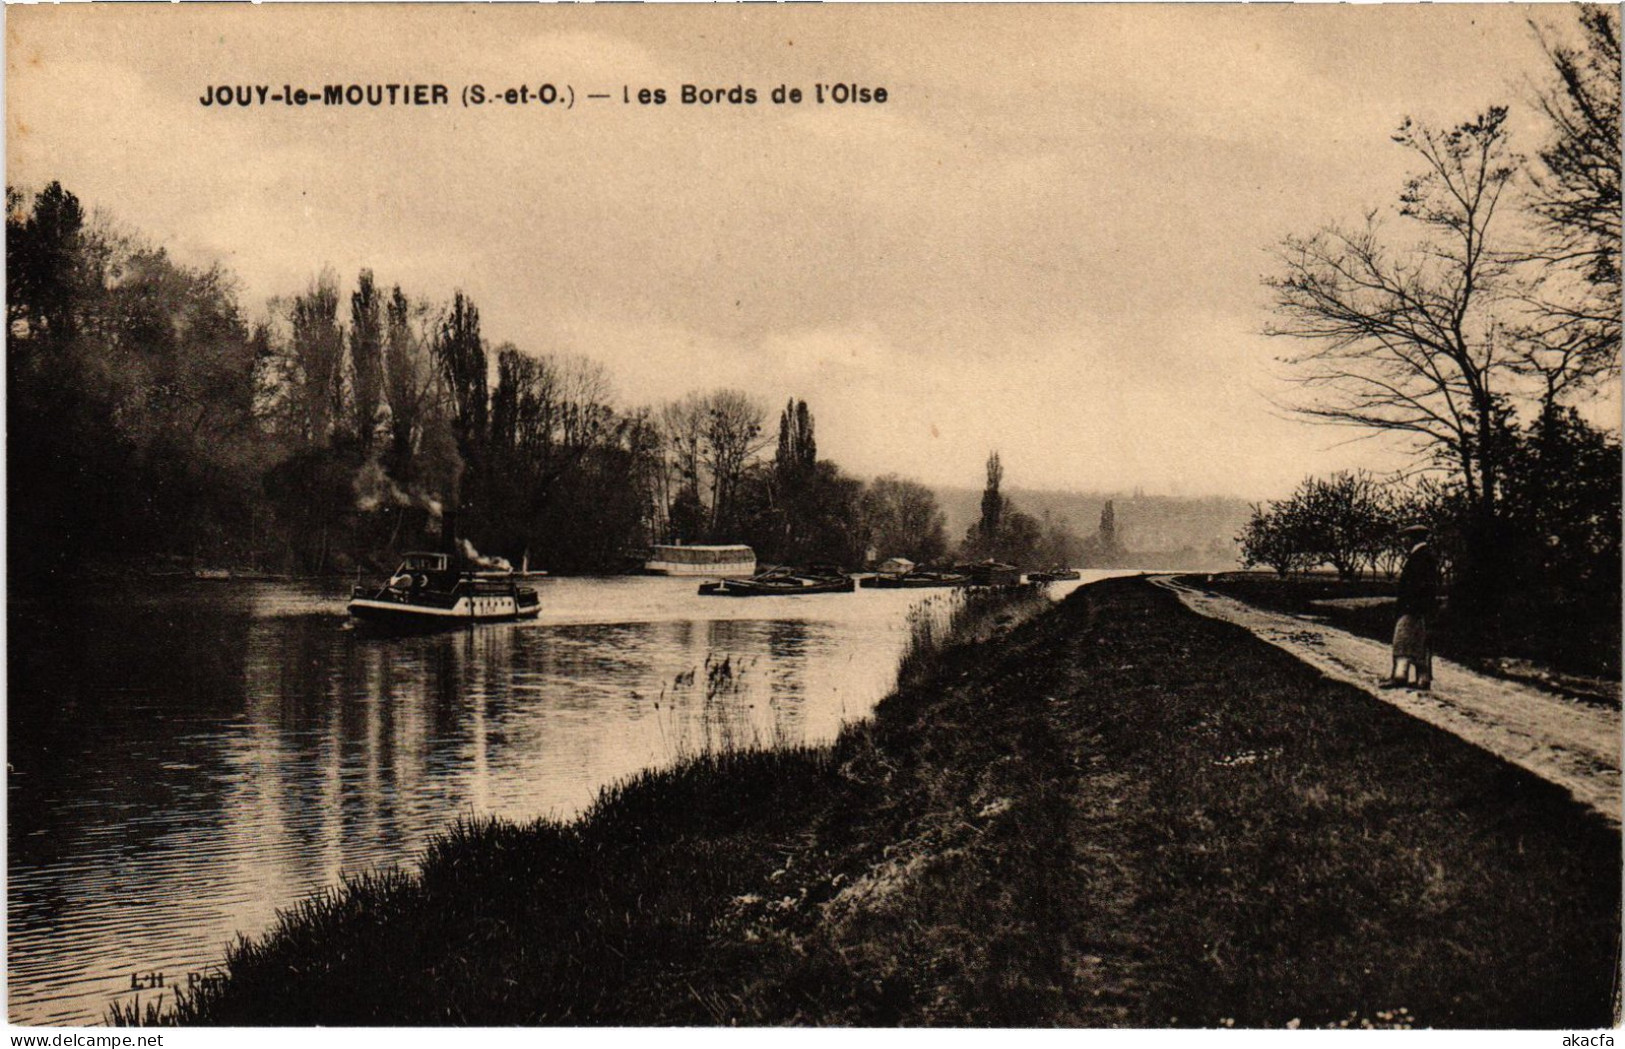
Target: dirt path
x,y
1568,743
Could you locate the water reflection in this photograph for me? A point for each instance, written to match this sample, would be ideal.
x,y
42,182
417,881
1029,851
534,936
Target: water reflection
x,y
183,762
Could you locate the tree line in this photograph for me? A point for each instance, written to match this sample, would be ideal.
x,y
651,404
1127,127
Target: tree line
x,y
153,423
1350,521
1473,318
1008,534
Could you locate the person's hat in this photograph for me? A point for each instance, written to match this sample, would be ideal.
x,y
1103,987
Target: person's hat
x,y
1414,529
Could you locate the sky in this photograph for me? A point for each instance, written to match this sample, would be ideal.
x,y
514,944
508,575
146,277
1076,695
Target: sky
x,y
1047,241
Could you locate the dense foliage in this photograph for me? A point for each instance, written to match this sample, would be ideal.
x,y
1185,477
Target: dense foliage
x,y
1556,545
152,423
133,387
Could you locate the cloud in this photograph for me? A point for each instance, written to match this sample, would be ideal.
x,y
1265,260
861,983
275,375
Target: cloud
x,y
1048,240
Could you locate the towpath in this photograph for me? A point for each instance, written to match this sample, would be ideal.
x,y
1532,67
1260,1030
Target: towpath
x,y
1572,744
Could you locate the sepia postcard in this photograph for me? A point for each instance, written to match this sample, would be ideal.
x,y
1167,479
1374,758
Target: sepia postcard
x,y
903,515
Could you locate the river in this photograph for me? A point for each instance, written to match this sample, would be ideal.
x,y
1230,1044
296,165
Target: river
x,y
185,759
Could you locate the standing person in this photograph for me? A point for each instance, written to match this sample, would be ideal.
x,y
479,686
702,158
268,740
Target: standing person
x,y
1418,598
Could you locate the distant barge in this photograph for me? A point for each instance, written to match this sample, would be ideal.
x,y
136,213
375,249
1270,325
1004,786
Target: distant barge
x,y
782,582
711,561
916,579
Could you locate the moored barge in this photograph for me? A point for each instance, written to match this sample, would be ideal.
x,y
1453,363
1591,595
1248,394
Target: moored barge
x,y
917,578
782,582
990,573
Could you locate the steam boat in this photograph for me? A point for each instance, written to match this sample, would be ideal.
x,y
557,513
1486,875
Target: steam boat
x,y
433,590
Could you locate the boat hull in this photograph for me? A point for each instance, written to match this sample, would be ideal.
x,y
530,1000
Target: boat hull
x,y
749,588
914,583
427,617
725,568
991,573
430,591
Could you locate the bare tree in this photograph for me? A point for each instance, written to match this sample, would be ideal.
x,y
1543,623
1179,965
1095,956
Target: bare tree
x,y
1269,538
1577,188
584,393
318,356
1571,338
1408,339
733,433
682,430
1348,520
902,519
366,358
409,378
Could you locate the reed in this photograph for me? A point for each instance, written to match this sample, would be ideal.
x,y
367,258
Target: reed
x,y
136,1013
1116,814
962,616
500,922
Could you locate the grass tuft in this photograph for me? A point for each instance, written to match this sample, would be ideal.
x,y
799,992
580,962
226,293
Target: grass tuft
x,y
1113,814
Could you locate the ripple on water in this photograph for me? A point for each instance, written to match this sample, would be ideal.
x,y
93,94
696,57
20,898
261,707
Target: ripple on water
x,y
181,773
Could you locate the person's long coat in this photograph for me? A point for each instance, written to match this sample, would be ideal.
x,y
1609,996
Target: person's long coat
x,y
1419,582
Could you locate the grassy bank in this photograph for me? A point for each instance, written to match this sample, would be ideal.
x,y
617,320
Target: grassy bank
x,y
1117,813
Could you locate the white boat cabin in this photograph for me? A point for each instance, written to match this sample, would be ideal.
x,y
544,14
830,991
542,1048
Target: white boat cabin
x,y
710,561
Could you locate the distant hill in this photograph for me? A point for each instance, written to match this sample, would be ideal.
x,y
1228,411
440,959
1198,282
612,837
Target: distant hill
x,y
1165,531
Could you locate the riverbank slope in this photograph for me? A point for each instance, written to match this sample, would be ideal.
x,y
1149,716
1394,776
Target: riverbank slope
x,y
1118,813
